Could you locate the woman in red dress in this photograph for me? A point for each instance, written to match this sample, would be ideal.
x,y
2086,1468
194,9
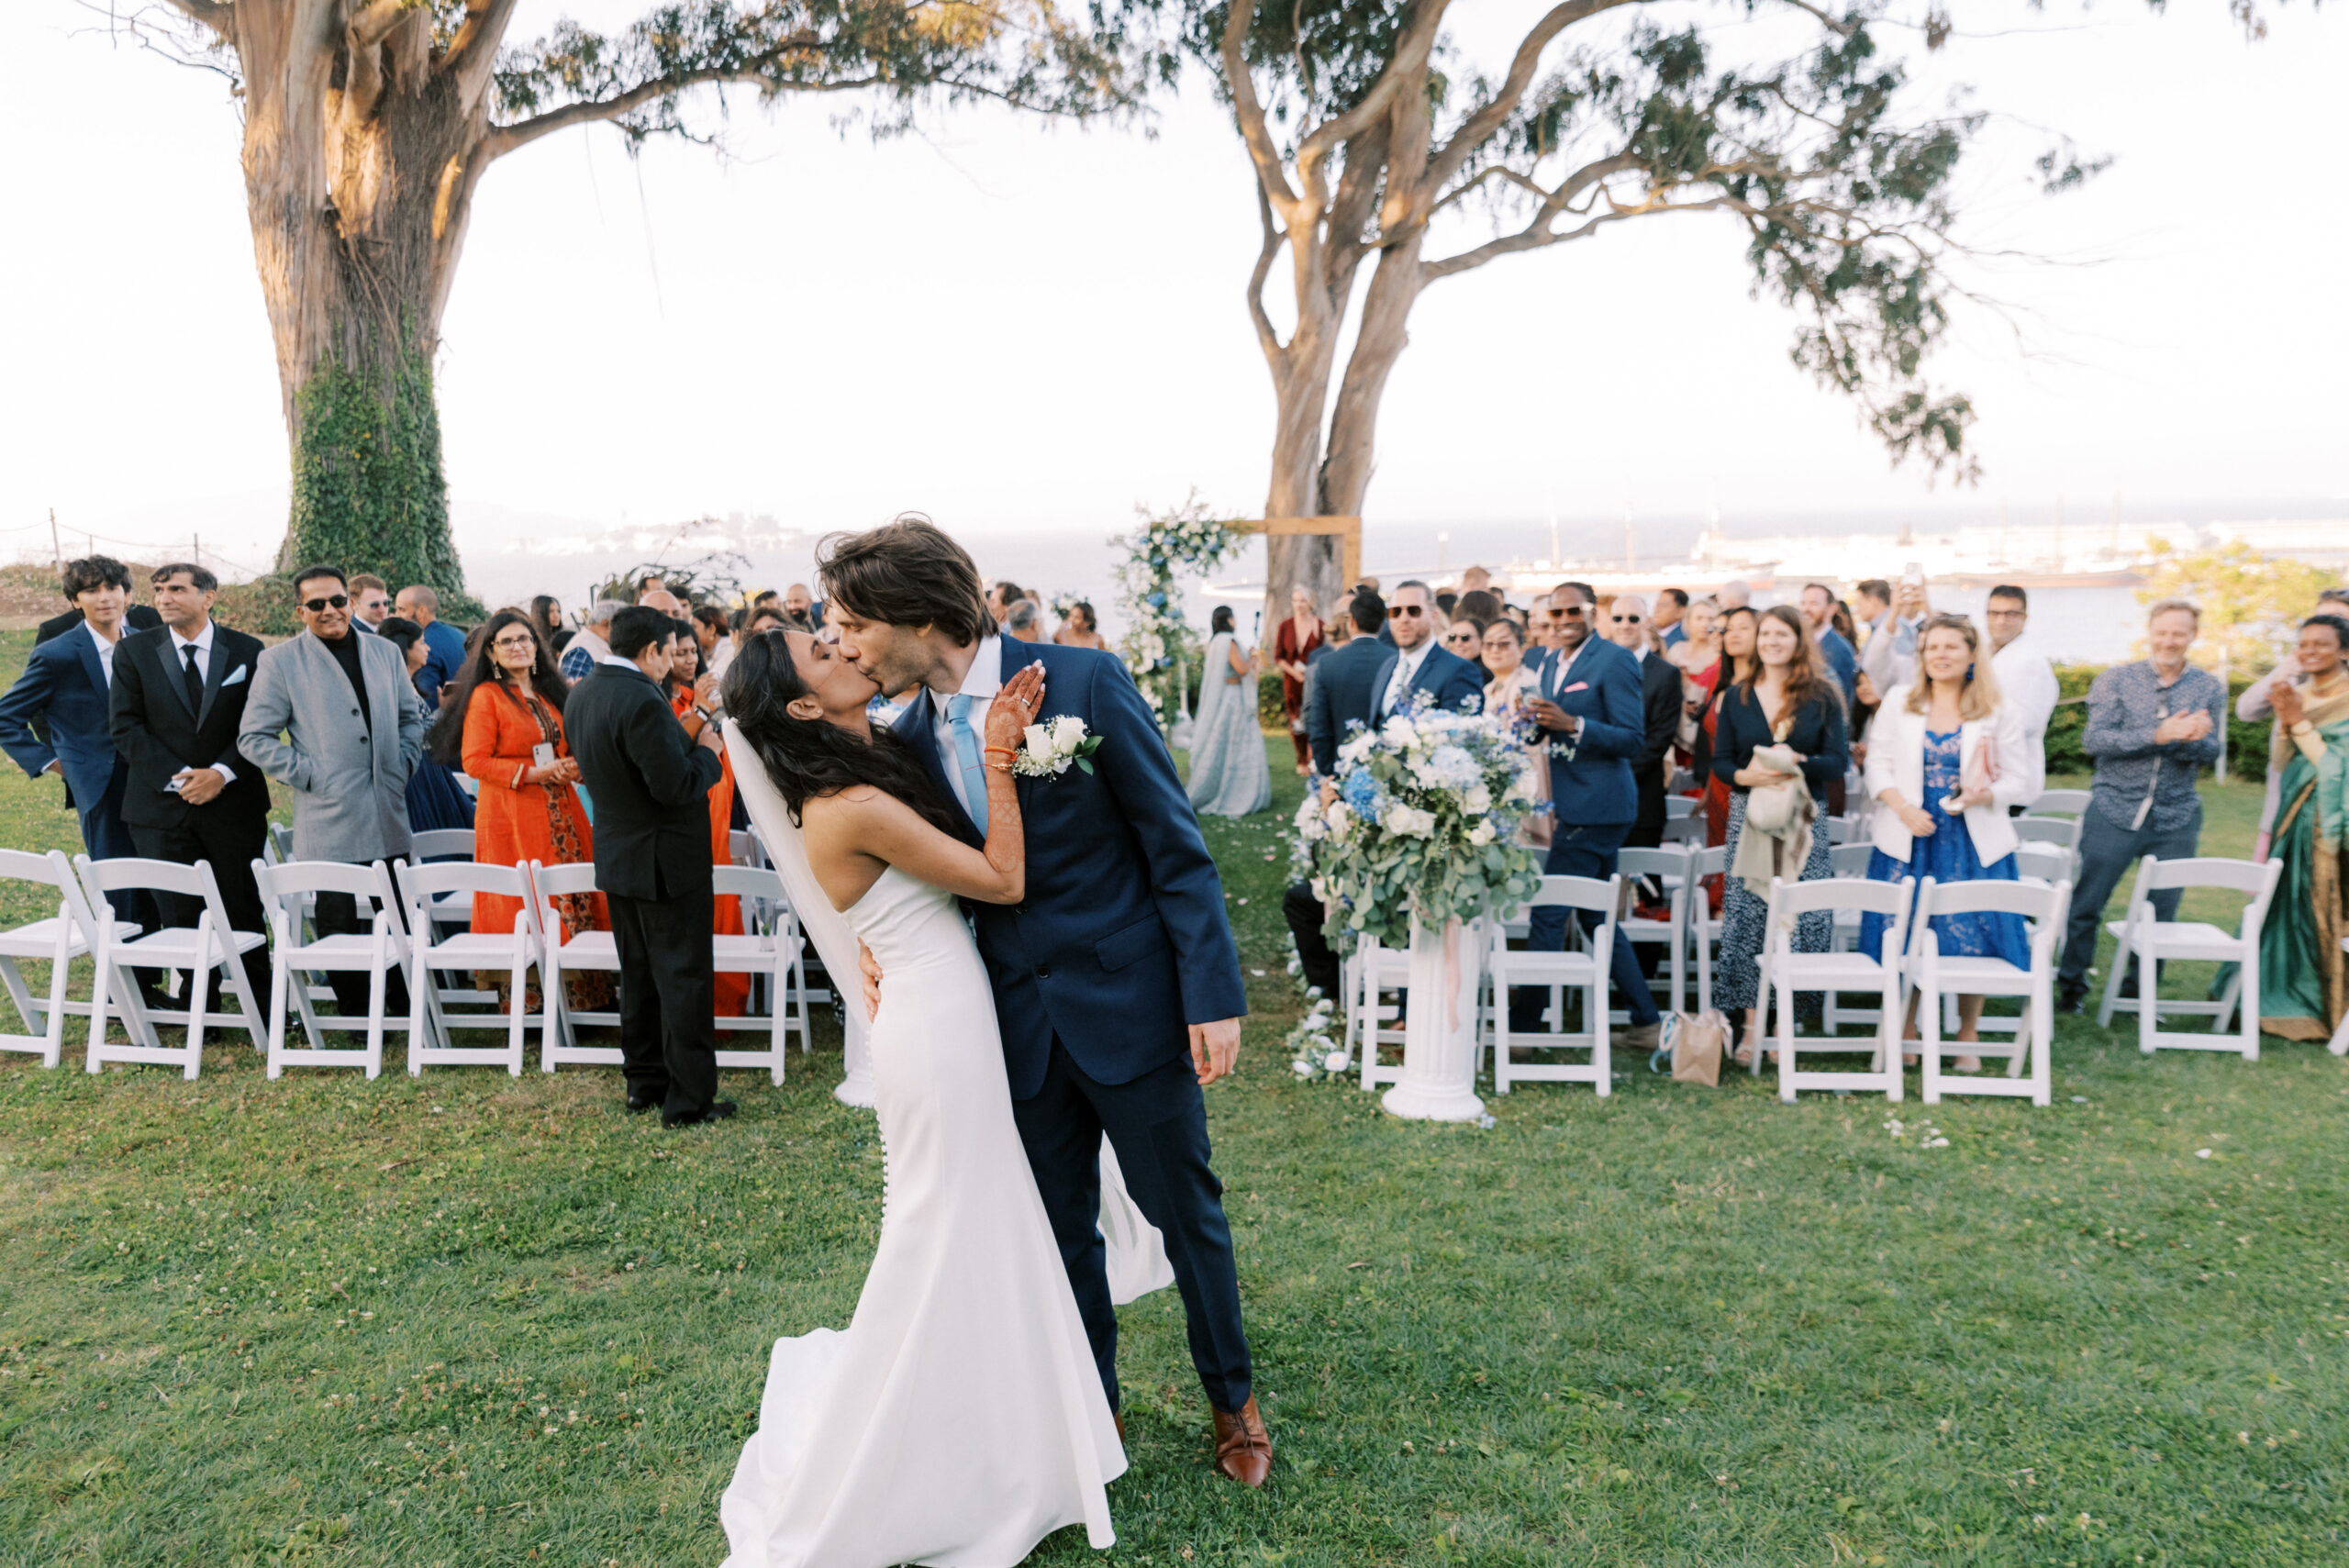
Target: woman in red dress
x,y
1293,644
1737,658
693,691
507,705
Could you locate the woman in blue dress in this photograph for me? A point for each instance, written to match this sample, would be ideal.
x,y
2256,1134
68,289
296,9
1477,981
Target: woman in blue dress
x,y
1230,774
1946,760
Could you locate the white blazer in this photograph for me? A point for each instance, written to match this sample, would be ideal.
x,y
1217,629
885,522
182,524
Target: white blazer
x,y
1896,761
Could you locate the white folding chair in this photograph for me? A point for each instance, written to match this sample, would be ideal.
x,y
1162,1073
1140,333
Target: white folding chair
x,y
453,909
1669,867
1582,966
1677,807
2061,830
775,953
211,943
277,847
1841,830
293,888
58,940
744,849
1791,972
2042,865
430,1042
2059,802
1371,971
2150,941
1851,861
1702,925
1938,976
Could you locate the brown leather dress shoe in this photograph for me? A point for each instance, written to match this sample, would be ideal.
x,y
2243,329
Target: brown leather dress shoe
x,y
1243,1450
1119,1417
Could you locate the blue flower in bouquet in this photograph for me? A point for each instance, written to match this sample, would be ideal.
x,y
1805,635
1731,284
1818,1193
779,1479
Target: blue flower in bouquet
x,y
1360,792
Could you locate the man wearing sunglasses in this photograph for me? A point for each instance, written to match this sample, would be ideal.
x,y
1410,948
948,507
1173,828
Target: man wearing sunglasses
x,y
1592,723
334,717
1417,666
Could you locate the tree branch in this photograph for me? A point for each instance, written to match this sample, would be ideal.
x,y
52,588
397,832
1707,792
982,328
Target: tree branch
x,y
219,16
1272,179
1481,125
1408,64
1266,337
502,139
472,53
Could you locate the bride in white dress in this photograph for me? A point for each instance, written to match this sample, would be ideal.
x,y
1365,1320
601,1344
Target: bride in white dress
x,y
960,1418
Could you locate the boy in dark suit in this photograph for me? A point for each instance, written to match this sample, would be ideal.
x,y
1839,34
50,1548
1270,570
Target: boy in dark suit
x,y
53,720
178,702
652,789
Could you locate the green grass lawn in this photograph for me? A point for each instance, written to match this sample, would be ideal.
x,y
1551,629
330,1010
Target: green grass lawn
x,y
473,1320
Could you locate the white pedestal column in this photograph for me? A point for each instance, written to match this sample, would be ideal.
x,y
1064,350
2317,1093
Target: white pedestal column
x,y
1439,1036
856,1088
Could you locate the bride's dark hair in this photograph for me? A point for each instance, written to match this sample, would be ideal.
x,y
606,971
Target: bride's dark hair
x,y
812,757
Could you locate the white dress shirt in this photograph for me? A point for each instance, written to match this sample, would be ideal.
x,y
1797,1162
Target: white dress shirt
x,y
1407,664
203,643
2028,680
105,651
980,683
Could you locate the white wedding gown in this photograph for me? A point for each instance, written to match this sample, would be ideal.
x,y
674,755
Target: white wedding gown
x,y
958,1419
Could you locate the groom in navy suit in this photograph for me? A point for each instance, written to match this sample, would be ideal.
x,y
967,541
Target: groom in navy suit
x,y
1117,982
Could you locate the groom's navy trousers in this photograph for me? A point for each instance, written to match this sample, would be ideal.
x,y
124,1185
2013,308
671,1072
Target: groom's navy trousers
x,y
1121,944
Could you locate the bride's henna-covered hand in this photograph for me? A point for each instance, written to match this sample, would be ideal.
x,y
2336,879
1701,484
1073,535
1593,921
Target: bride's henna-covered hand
x,y
1014,708
870,967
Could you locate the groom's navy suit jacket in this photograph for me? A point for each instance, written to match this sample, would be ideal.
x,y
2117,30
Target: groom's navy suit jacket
x,y
1122,941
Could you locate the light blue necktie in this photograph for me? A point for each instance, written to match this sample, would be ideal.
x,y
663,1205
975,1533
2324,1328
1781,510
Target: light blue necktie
x,y
966,753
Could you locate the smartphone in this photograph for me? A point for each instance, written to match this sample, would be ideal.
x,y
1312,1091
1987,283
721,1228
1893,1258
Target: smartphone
x,y
542,754
1915,577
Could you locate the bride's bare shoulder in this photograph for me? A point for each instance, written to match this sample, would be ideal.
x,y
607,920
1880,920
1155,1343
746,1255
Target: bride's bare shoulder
x,y
840,809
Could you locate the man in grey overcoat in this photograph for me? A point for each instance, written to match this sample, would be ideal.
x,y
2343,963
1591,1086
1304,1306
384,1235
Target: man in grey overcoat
x,y
335,719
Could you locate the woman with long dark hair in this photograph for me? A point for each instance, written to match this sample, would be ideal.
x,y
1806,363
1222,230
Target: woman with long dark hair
x,y
503,724
1788,696
546,619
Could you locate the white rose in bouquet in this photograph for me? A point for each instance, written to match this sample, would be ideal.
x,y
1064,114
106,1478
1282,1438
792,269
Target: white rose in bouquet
x,y
1409,821
1481,834
1478,800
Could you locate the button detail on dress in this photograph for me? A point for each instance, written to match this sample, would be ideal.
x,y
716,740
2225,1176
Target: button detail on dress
x,y
1043,971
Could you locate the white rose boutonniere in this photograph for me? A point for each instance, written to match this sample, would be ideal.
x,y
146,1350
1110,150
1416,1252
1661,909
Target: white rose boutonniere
x,y
1052,746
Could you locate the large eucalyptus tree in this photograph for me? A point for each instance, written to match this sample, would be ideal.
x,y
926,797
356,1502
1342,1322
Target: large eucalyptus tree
x,y
369,124
1366,131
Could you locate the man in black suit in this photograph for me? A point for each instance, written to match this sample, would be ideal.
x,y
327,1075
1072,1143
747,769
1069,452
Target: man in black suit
x,y
1660,709
1342,692
651,790
178,701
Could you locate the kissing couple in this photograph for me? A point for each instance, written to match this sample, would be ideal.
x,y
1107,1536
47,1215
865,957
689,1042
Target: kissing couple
x,y
1094,991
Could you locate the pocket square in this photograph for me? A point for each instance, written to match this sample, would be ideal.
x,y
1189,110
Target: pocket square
x,y
237,675
1577,686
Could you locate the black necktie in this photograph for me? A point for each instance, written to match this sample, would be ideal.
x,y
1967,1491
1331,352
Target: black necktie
x,y
195,682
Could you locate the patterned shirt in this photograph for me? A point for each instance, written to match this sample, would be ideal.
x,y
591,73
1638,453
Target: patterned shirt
x,y
2138,782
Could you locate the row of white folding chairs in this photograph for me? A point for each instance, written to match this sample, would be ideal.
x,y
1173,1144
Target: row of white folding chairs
x,y
772,947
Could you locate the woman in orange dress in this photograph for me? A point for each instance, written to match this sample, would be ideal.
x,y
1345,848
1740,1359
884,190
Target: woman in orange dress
x,y
692,693
508,705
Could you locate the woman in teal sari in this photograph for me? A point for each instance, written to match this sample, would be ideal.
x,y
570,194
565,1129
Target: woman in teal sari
x,y
2304,990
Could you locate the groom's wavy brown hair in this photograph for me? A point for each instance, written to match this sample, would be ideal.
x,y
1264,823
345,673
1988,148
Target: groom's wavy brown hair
x,y
909,571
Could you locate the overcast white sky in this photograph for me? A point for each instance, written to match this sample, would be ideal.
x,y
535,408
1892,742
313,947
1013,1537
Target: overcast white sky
x,y
1013,325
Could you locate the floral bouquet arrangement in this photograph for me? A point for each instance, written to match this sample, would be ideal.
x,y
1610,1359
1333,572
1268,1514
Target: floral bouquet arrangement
x,y
1159,642
1428,805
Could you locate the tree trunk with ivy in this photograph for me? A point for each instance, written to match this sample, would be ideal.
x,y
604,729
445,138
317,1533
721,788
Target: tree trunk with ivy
x,y
368,124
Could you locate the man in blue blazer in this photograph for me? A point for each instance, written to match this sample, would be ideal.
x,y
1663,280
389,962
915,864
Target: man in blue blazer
x,y
1117,981
1417,665
64,691
1592,721
1342,692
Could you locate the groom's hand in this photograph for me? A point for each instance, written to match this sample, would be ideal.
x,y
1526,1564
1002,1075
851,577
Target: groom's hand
x,y
870,967
1215,1048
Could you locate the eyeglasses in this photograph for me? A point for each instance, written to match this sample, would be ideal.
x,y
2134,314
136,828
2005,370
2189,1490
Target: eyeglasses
x,y
1624,620
337,601
1413,610
1574,611
516,642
